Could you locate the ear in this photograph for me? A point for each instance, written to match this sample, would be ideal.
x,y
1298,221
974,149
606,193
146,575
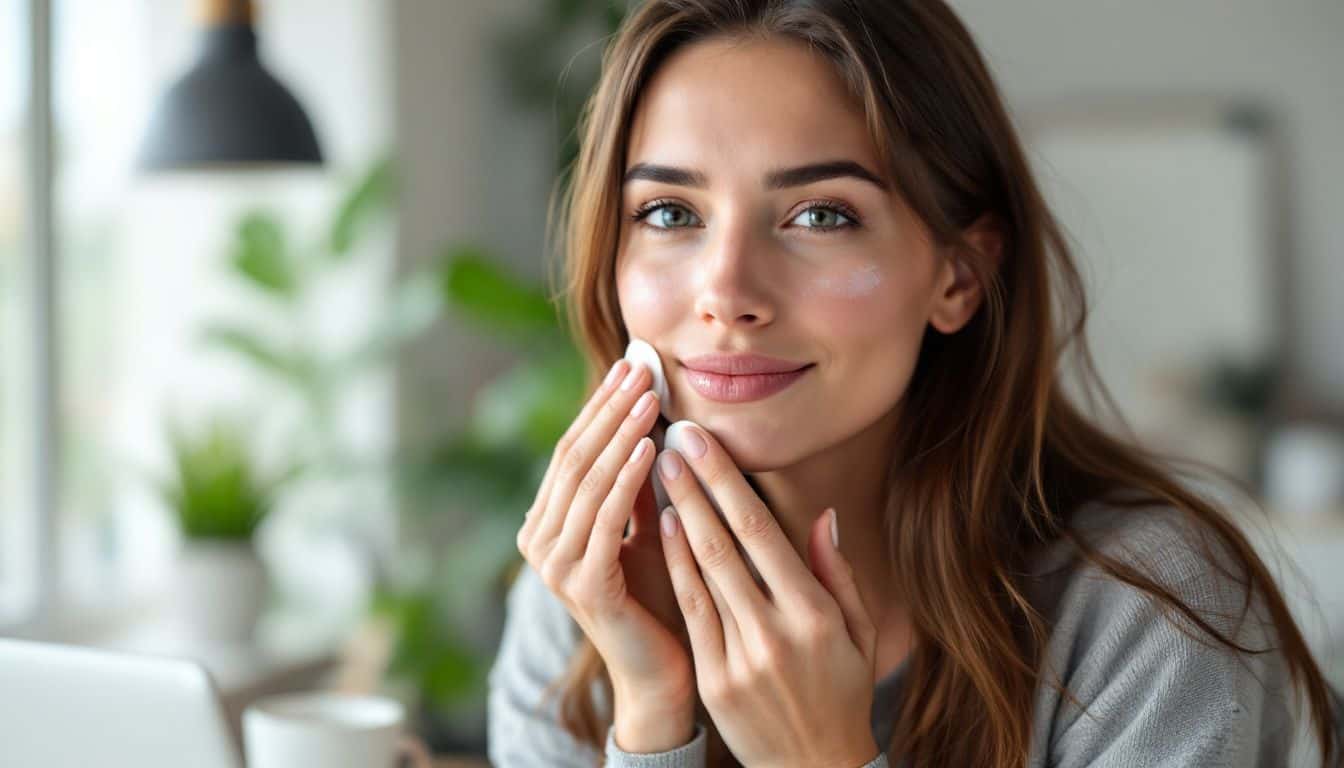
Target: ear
x,y
959,293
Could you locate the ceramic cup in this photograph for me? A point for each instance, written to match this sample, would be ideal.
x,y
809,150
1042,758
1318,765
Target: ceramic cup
x,y
330,729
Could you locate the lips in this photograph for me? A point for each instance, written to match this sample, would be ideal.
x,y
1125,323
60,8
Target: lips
x,y
741,365
741,379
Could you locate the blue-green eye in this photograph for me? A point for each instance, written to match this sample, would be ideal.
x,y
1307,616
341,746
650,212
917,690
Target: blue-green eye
x,y
822,216
658,211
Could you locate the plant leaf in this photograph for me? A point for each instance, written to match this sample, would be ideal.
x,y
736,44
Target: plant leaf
x,y
260,256
532,404
488,295
373,194
291,366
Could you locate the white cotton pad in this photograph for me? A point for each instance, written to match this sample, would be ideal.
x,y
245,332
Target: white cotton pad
x,y
640,351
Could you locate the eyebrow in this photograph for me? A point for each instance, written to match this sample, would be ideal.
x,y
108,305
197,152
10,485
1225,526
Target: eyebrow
x,y
778,179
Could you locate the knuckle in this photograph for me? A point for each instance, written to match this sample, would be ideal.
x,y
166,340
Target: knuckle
x,y
717,691
769,654
607,523
575,460
754,522
591,479
814,628
695,603
714,552
551,575
563,446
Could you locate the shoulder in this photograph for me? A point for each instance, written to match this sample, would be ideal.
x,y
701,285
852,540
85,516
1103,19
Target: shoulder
x,y
1144,672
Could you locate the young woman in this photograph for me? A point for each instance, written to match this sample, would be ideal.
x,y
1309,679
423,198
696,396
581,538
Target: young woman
x,y
829,196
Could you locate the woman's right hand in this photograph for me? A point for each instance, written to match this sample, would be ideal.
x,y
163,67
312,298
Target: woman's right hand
x,y
574,538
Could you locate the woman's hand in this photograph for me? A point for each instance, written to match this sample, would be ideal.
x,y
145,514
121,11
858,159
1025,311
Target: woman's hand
x,y
787,678
616,588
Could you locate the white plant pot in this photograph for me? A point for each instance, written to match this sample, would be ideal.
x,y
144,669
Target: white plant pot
x,y
220,590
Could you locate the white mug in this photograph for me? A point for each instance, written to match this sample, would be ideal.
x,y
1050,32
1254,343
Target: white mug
x,y
330,729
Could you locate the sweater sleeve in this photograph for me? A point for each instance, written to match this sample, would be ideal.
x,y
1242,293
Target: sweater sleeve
x,y
689,755
1155,695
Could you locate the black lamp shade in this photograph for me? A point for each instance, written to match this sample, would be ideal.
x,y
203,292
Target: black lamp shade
x,y
227,110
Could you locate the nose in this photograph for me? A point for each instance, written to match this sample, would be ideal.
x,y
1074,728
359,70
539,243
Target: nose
x,y
732,285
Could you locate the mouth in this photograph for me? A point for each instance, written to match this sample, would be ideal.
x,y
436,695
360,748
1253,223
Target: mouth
x,y
741,388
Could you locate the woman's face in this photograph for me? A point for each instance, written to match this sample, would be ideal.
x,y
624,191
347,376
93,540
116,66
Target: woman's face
x,y
829,269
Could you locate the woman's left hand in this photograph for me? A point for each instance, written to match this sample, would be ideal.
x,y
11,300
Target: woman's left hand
x,y
788,677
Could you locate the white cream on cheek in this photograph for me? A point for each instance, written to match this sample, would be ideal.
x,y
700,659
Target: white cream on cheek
x,y
855,283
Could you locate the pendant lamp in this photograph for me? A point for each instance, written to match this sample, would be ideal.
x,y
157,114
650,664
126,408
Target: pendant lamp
x,y
227,111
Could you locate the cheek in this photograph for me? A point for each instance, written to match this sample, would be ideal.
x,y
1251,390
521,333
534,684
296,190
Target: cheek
x,y
649,298
874,321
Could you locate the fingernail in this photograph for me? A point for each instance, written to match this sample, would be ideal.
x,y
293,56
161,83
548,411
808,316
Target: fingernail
x,y
669,465
835,530
645,401
640,448
695,444
631,377
613,373
669,522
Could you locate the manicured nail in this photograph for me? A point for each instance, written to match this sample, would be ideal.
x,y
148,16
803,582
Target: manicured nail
x,y
669,465
631,377
669,522
641,448
835,529
695,444
645,400
613,373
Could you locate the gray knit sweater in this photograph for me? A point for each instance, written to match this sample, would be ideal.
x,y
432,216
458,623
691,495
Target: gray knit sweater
x,y
1154,695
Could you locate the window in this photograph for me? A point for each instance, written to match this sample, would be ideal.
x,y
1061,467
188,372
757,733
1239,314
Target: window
x,y
139,266
17,353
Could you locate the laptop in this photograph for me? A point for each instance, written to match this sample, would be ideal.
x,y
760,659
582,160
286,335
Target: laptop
x,y
64,706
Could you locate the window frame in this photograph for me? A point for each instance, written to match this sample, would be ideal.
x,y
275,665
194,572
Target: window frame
x,y
39,251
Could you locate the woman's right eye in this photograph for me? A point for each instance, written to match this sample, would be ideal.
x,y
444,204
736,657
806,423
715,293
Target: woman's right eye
x,y
661,213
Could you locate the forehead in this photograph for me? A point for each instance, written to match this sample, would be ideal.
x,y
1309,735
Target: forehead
x,y
725,103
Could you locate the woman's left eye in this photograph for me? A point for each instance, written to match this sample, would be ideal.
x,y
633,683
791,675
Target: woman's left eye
x,y
822,217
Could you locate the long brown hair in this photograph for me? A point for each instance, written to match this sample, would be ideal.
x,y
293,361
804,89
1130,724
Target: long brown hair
x,y
986,471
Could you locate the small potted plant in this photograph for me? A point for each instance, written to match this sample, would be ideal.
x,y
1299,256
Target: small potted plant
x,y
218,497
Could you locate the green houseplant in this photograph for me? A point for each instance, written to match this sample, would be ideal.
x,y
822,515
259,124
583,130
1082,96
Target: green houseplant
x,y
455,573
218,497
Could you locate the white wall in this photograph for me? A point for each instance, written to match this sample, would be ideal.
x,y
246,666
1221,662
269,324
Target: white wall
x,y
1285,52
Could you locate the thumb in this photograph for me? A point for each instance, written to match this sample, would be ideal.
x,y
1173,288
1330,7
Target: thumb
x,y
837,576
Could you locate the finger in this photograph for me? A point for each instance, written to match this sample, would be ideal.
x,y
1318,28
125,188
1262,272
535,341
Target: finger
x,y
751,522
583,450
704,625
601,477
836,574
713,546
535,513
604,545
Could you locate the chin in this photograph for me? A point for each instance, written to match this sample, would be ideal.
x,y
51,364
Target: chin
x,y
753,443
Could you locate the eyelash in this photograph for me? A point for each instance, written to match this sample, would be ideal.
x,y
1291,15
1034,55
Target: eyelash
x,y
828,205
